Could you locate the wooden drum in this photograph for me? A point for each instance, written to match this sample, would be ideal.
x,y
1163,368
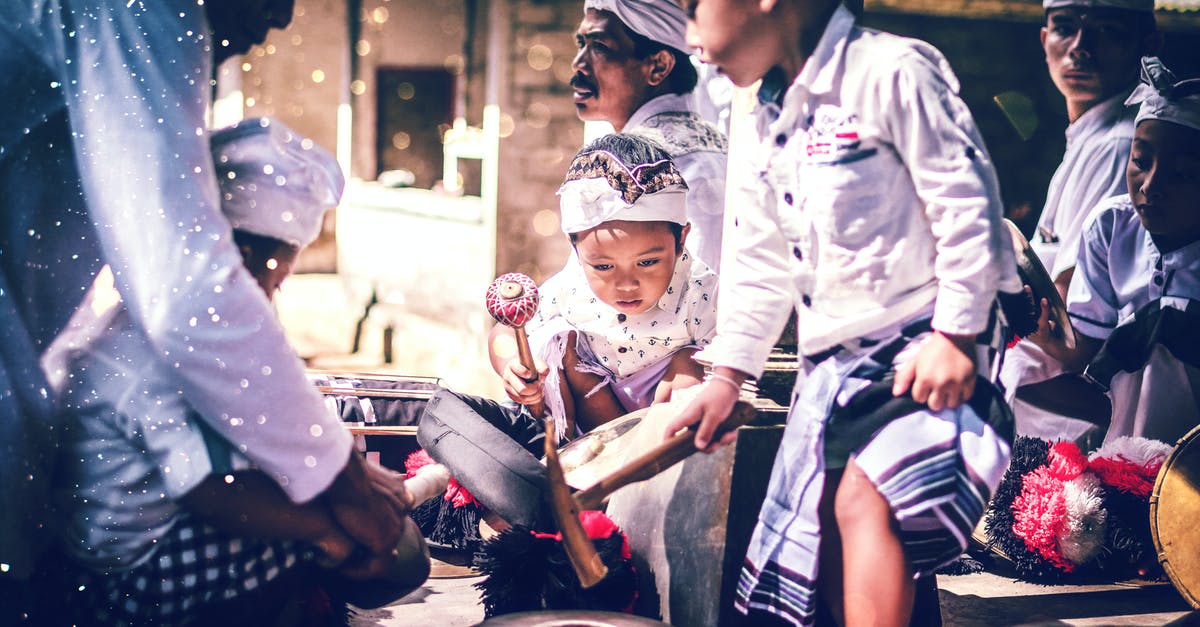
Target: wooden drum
x,y
1174,512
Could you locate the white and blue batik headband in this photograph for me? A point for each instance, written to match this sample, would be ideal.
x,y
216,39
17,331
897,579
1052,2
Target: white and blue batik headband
x,y
600,188
1162,97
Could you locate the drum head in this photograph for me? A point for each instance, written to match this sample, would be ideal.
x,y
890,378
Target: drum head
x,y
1174,510
1034,274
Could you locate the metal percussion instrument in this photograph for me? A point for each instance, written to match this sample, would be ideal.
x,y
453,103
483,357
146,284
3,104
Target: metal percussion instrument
x,y
603,445
376,389
1034,274
1174,510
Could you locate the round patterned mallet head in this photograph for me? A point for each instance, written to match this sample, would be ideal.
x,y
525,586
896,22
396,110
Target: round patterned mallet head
x,y
512,299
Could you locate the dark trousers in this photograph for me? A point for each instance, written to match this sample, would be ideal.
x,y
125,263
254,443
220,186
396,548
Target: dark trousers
x,y
490,448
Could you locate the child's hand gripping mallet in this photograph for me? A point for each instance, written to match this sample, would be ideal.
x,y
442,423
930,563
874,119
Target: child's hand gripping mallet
x,y
512,299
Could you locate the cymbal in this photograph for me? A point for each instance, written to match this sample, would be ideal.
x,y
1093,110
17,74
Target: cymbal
x,y
1034,274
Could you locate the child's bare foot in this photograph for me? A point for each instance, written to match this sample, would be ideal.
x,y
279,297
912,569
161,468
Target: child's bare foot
x,y
492,525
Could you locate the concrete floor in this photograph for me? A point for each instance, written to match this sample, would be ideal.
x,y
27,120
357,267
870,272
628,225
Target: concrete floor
x,y
321,326
978,600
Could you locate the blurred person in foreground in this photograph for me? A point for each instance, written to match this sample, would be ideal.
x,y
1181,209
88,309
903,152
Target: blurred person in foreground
x,y
168,520
104,159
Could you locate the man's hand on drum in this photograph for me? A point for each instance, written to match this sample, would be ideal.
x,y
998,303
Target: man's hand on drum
x,y
370,503
521,385
710,408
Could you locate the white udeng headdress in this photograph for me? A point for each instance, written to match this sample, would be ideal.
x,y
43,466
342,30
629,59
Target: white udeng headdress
x,y
657,20
274,182
1164,98
600,188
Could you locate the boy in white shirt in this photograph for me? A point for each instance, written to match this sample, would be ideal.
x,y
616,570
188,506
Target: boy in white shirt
x,y
618,326
1134,299
874,214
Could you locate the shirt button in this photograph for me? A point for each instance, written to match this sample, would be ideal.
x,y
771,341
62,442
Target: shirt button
x,y
620,317
1158,280
807,300
780,139
622,349
787,197
797,254
1158,264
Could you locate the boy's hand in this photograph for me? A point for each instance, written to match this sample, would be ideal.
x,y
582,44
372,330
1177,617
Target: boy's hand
x,y
942,375
710,408
521,385
1044,337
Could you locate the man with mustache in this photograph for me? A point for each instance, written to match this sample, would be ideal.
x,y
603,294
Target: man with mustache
x,y
1093,50
633,71
105,159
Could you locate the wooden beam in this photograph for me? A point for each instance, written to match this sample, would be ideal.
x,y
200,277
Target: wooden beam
x,y
1010,10
1015,10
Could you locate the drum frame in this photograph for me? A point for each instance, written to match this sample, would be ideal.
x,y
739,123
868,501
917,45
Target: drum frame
x,y
369,392
1173,483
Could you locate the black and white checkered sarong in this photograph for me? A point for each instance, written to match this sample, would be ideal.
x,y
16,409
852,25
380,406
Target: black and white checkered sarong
x,y
194,567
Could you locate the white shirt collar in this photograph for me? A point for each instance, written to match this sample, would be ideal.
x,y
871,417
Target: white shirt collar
x,y
1099,116
825,64
666,103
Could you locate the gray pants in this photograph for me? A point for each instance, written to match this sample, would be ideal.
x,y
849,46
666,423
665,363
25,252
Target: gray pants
x,y
492,449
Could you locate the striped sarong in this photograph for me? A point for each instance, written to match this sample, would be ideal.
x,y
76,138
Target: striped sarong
x,y
937,471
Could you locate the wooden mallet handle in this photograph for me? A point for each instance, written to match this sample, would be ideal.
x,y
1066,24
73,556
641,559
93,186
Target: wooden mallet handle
x,y
512,300
670,452
582,553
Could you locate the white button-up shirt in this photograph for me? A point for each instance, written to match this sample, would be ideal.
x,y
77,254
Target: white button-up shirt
x,y
874,200
1120,270
698,149
1092,169
120,91
625,344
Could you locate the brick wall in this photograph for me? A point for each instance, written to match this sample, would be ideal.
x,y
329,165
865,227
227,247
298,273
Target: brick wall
x,y
545,134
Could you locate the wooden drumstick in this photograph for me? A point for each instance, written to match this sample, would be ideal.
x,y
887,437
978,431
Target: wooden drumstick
x,y
513,299
428,482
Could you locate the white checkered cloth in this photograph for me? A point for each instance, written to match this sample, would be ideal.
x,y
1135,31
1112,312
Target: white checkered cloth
x,y
194,567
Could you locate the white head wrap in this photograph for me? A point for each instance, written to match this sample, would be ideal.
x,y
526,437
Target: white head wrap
x,y
273,181
1128,5
1164,98
657,20
600,188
